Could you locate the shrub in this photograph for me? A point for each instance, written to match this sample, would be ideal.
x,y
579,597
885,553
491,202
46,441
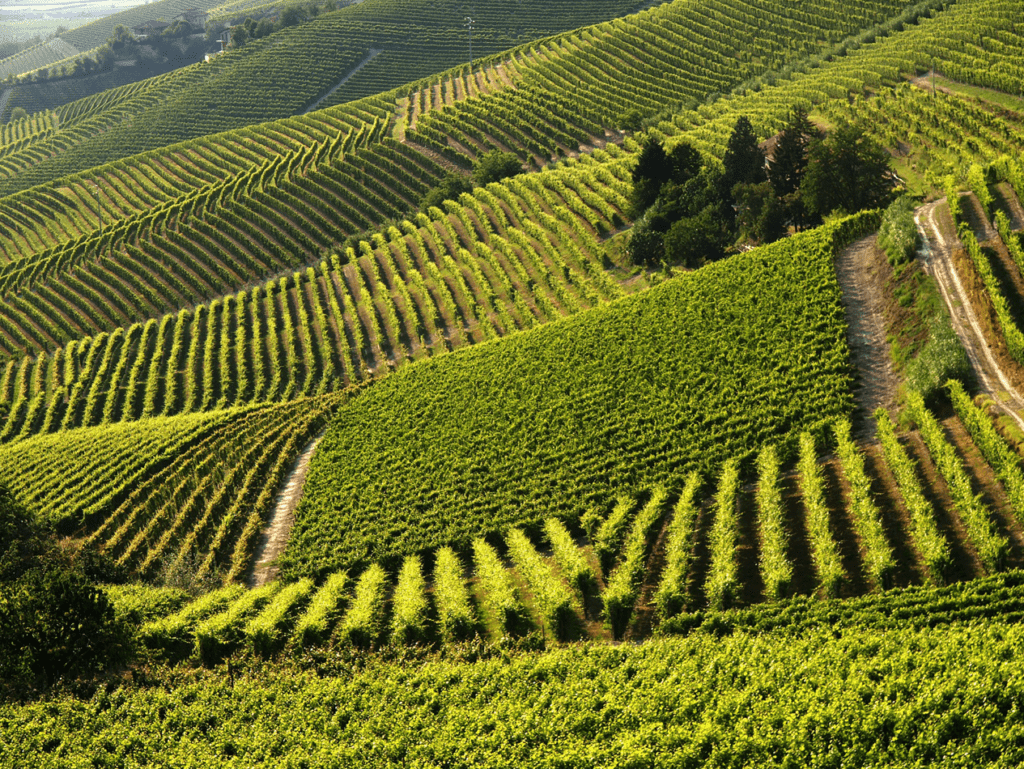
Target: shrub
x,y
898,235
55,624
494,166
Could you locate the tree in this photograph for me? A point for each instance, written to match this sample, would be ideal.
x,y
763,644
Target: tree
x,y
646,245
744,159
694,240
18,113
291,16
451,186
121,38
789,160
264,28
104,57
847,171
684,163
494,166
239,36
760,214
652,170
54,624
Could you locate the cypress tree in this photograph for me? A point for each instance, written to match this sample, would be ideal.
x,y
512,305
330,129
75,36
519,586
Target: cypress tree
x,y
789,160
744,159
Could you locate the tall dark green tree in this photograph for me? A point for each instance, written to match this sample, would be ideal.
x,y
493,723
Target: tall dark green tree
x,y
655,168
652,170
744,159
684,163
788,162
847,171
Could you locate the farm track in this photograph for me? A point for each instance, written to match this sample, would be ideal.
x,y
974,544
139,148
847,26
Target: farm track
x,y
275,536
937,255
372,54
876,382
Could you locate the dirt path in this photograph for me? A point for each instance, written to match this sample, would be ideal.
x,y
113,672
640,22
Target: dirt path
x,y
5,96
876,382
275,536
372,54
937,255
1010,204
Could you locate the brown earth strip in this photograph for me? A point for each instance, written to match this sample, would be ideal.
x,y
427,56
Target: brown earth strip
x,y
275,535
861,278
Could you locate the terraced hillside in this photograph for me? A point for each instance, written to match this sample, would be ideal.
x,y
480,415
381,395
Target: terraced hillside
x,y
291,70
525,441
105,340
294,233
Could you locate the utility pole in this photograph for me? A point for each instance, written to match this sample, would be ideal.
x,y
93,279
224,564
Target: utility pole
x,y
469,26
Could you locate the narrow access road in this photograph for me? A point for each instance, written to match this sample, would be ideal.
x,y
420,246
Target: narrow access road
x,y
275,536
937,255
370,56
865,319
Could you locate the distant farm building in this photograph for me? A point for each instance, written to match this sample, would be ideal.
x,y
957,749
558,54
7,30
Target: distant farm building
x,y
194,17
147,28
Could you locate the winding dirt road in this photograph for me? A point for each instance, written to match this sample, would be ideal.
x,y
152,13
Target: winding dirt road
x,y
937,255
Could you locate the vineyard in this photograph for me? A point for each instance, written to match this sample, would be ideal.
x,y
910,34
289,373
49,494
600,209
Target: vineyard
x,y
41,55
189,492
549,422
904,663
338,398
926,507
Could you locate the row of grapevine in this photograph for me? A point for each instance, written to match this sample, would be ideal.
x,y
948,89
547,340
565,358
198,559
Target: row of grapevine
x,y
183,494
109,195
283,74
931,658
16,133
37,56
846,87
446,280
623,393
516,583
571,64
309,214
995,290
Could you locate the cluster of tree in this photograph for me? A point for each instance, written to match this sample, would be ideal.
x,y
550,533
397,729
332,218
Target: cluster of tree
x,y
687,211
56,624
490,167
254,29
118,45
